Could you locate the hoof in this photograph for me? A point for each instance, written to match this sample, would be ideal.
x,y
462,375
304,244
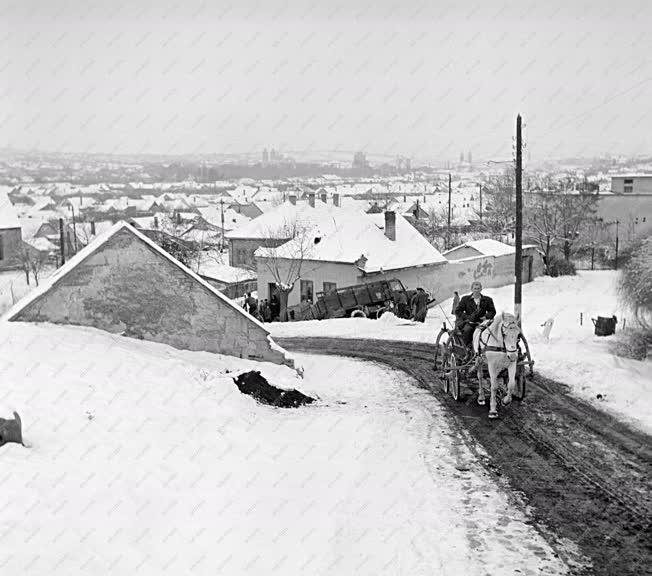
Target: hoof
x,y
493,415
481,401
507,400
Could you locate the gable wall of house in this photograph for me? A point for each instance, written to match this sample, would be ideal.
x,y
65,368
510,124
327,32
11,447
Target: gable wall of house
x,y
10,248
462,252
125,285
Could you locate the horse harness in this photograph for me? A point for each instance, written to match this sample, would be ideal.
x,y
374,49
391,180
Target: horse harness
x,y
495,348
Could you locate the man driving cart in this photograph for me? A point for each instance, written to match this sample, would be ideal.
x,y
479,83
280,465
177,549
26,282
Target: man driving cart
x,y
473,309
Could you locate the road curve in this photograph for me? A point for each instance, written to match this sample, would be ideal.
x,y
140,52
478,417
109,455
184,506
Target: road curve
x,y
587,476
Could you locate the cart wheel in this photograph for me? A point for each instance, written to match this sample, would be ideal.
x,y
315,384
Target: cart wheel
x,y
440,353
454,378
519,385
445,364
358,314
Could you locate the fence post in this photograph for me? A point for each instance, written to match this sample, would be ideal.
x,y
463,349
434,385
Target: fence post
x,y
581,319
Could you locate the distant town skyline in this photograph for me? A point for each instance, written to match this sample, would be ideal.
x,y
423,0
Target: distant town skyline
x,y
422,80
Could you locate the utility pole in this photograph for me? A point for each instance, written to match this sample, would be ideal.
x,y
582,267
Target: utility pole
x,y
480,202
74,227
616,261
518,257
448,233
222,213
62,242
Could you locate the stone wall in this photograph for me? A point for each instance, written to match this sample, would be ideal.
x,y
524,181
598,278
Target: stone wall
x,y
126,285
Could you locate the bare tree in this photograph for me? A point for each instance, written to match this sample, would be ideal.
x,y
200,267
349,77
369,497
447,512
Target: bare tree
x,y
433,226
284,250
32,261
498,212
559,218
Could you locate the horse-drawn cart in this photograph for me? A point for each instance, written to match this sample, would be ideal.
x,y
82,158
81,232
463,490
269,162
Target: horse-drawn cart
x,y
454,363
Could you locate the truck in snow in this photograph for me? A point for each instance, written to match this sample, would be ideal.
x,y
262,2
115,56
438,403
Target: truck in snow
x,y
368,300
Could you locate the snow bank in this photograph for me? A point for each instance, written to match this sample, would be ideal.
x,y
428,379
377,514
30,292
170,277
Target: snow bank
x,y
142,458
573,355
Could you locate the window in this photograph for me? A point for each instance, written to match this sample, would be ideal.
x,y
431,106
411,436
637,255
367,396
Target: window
x,y
628,185
306,291
2,248
329,287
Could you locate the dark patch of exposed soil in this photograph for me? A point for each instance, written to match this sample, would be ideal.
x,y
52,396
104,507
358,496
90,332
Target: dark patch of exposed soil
x,y
254,384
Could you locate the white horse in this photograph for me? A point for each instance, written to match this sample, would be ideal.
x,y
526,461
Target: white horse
x,y
498,345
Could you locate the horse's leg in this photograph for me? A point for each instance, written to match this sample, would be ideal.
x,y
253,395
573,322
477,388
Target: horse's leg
x,y
493,376
511,372
481,400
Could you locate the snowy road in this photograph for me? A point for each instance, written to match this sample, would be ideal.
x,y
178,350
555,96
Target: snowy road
x,y
587,476
143,459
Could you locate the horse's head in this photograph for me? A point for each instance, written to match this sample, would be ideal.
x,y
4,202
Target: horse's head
x,y
510,330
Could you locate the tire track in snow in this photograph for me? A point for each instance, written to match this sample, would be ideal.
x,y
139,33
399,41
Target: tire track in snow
x,y
587,476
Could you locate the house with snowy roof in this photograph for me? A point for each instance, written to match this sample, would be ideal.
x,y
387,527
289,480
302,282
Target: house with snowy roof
x,y
11,241
124,283
483,247
272,229
497,260
233,282
335,247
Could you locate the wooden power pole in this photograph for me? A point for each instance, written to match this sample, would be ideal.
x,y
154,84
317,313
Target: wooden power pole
x,y
62,242
480,203
518,257
448,233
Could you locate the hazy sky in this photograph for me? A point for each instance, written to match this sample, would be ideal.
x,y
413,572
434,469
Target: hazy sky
x,y
426,79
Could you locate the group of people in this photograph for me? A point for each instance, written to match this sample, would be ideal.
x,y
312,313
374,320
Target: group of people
x,y
414,309
265,311
469,311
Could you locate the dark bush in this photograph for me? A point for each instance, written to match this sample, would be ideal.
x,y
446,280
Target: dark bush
x,y
635,281
558,266
632,343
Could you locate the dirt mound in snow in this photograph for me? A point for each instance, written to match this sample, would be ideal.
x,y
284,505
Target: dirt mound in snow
x,y
253,384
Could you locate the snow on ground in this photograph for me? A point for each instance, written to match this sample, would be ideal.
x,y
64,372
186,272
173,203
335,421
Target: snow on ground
x,y
141,458
573,355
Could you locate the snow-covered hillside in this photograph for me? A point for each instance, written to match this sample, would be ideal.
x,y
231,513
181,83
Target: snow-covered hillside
x,y
573,355
141,458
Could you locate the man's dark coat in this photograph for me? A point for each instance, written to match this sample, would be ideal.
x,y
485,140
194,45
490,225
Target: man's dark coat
x,y
467,311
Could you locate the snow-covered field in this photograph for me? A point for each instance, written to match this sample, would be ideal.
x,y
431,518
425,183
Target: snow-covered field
x,y
573,355
144,459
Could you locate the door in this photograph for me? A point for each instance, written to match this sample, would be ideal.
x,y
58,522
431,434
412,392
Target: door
x,y
307,291
272,290
526,274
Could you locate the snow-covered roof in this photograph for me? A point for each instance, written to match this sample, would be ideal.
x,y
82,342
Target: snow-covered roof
x,y
41,244
346,235
225,273
8,214
486,246
97,243
287,214
649,175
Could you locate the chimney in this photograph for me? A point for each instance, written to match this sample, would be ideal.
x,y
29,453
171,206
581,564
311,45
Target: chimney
x,y
323,197
311,199
336,200
390,225
92,228
293,199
